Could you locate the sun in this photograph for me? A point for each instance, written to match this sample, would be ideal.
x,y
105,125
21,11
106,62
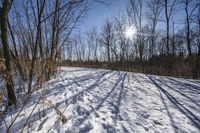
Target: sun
x,y
130,31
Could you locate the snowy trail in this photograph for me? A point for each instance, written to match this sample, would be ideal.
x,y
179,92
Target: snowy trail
x,y
97,100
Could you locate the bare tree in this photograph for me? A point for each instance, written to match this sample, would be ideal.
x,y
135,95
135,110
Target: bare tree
x,y
40,9
4,10
153,13
169,6
15,54
136,13
187,2
107,38
195,15
120,26
92,43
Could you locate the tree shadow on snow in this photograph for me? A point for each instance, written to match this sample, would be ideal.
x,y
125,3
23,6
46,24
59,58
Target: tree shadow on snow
x,y
115,102
59,88
189,86
36,116
181,107
185,93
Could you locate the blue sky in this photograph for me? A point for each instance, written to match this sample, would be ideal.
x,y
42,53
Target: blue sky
x,y
101,12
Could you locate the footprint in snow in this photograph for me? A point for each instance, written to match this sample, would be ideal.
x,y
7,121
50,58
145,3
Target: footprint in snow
x,y
77,98
157,122
86,127
109,128
145,115
82,111
120,118
125,129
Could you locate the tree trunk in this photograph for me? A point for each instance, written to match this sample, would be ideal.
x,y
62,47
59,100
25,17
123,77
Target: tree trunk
x,y
188,29
37,41
108,50
16,55
4,36
167,21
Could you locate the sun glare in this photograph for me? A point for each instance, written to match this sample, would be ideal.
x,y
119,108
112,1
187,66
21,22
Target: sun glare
x,y
130,32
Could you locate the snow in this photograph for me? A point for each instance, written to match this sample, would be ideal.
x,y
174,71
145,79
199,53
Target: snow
x,y
98,100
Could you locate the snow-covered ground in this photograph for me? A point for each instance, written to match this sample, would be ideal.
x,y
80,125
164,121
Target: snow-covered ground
x,y
104,101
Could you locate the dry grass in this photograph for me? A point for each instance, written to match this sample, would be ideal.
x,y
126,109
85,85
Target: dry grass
x,y
61,116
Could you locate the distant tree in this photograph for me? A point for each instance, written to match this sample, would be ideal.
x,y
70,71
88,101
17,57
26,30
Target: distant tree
x,y
195,18
136,14
120,27
169,6
92,41
186,3
153,13
107,39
